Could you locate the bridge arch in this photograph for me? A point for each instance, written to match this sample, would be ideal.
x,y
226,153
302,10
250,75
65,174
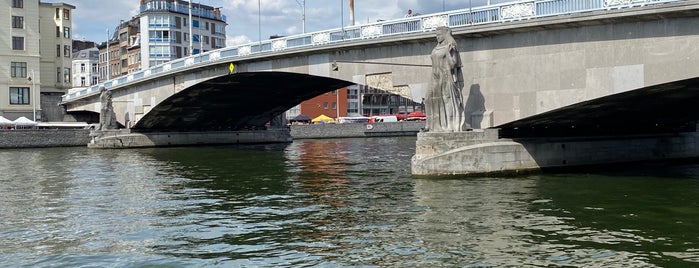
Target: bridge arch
x,y
232,101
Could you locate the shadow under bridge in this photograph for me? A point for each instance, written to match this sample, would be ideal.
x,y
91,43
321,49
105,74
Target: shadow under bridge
x,y
235,101
664,108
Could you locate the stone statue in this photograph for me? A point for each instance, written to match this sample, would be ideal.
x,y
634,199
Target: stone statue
x,y
107,115
443,99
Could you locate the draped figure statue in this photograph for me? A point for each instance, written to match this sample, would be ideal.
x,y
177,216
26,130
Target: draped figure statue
x,y
107,115
443,100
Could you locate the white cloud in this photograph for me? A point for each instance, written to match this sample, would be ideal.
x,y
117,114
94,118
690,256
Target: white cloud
x,y
237,40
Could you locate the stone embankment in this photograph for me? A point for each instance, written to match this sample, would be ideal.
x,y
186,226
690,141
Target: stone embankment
x,y
41,138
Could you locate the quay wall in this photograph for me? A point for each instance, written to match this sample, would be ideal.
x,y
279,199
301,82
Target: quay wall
x,y
39,138
356,130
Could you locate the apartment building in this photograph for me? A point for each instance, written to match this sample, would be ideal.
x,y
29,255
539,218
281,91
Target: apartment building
x,y
30,69
167,33
85,71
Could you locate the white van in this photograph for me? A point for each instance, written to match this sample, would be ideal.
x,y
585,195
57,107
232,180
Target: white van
x,y
385,118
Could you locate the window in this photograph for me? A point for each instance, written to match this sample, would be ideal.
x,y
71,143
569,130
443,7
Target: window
x,y
218,29
195,23
58,74
66,32
66,75
94,68
58,50
18,3
18,22
334,105
325,105
66,51
19,95
17,43
58,13
66,14
18,69
82,81
94,81
58,31
82,67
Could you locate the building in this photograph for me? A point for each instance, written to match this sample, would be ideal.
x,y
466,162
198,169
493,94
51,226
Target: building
x,y
85,71
56,57
124,51
332,104
34,71
166,32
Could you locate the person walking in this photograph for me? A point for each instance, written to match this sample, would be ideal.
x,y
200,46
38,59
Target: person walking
x,y
410,13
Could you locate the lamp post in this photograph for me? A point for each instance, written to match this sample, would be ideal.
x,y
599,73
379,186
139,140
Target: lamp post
x,y
109,75
33,93
259,24
191,37
303,14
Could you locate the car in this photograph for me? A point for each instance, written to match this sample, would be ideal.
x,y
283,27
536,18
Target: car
x,y
416,116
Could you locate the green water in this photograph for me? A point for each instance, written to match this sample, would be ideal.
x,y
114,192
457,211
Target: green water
x,y
330,203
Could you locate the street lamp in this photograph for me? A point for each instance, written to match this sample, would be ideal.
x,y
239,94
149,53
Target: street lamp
x,y
33,98
303,14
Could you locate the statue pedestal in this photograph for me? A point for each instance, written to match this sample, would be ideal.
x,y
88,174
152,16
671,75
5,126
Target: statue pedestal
x,y
481,152
469,152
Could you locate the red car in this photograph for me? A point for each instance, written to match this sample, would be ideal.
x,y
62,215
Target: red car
x,y
416,116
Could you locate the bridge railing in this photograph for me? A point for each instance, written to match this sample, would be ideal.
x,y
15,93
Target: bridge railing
x,y
498,13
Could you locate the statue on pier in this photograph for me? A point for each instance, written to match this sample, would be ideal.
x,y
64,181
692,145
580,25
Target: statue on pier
x,y
107,115
443,99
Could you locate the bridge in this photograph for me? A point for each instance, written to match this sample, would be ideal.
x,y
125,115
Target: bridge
x,y
531,69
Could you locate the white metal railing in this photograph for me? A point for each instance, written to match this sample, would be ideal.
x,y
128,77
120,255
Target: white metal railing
x,y
498,13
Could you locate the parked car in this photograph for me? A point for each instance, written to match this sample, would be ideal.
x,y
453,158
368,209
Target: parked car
x,y
416,116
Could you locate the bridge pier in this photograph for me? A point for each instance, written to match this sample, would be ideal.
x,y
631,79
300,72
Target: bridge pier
x,y
125,138
482,152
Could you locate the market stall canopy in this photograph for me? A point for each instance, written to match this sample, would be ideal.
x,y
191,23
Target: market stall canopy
x,y
4,122
24,122
323,118
301,118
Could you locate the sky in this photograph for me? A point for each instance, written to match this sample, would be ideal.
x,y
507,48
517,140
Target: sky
x,y
92,18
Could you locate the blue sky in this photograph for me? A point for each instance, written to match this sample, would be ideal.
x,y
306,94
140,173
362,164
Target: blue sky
x,y
92,18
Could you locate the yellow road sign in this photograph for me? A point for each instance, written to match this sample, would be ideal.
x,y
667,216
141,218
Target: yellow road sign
x,y
231,67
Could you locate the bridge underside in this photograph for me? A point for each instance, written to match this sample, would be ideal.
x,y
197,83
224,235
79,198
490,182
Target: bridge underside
x,y
235,101
665,108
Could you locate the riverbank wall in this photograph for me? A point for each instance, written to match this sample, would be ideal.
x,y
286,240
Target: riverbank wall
x,y
41,138
356,130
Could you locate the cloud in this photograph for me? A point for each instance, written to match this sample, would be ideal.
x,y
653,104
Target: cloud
x,y
237,40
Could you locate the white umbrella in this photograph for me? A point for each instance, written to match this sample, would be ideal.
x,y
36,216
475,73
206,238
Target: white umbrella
x,y
24,122
4,122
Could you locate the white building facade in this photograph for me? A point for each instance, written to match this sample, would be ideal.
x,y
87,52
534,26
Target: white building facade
x,y
28,66
85,68
167,32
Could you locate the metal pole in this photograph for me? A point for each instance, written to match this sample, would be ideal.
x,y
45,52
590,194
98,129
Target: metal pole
x,y
191,37
201,37
351,5
303,14
109,75
259,24
342,16
33,96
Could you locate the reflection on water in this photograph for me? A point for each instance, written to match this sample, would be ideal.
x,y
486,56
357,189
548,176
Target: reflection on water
x,y
340,202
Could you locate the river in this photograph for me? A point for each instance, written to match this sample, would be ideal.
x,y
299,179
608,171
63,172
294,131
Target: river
x,y
332,203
